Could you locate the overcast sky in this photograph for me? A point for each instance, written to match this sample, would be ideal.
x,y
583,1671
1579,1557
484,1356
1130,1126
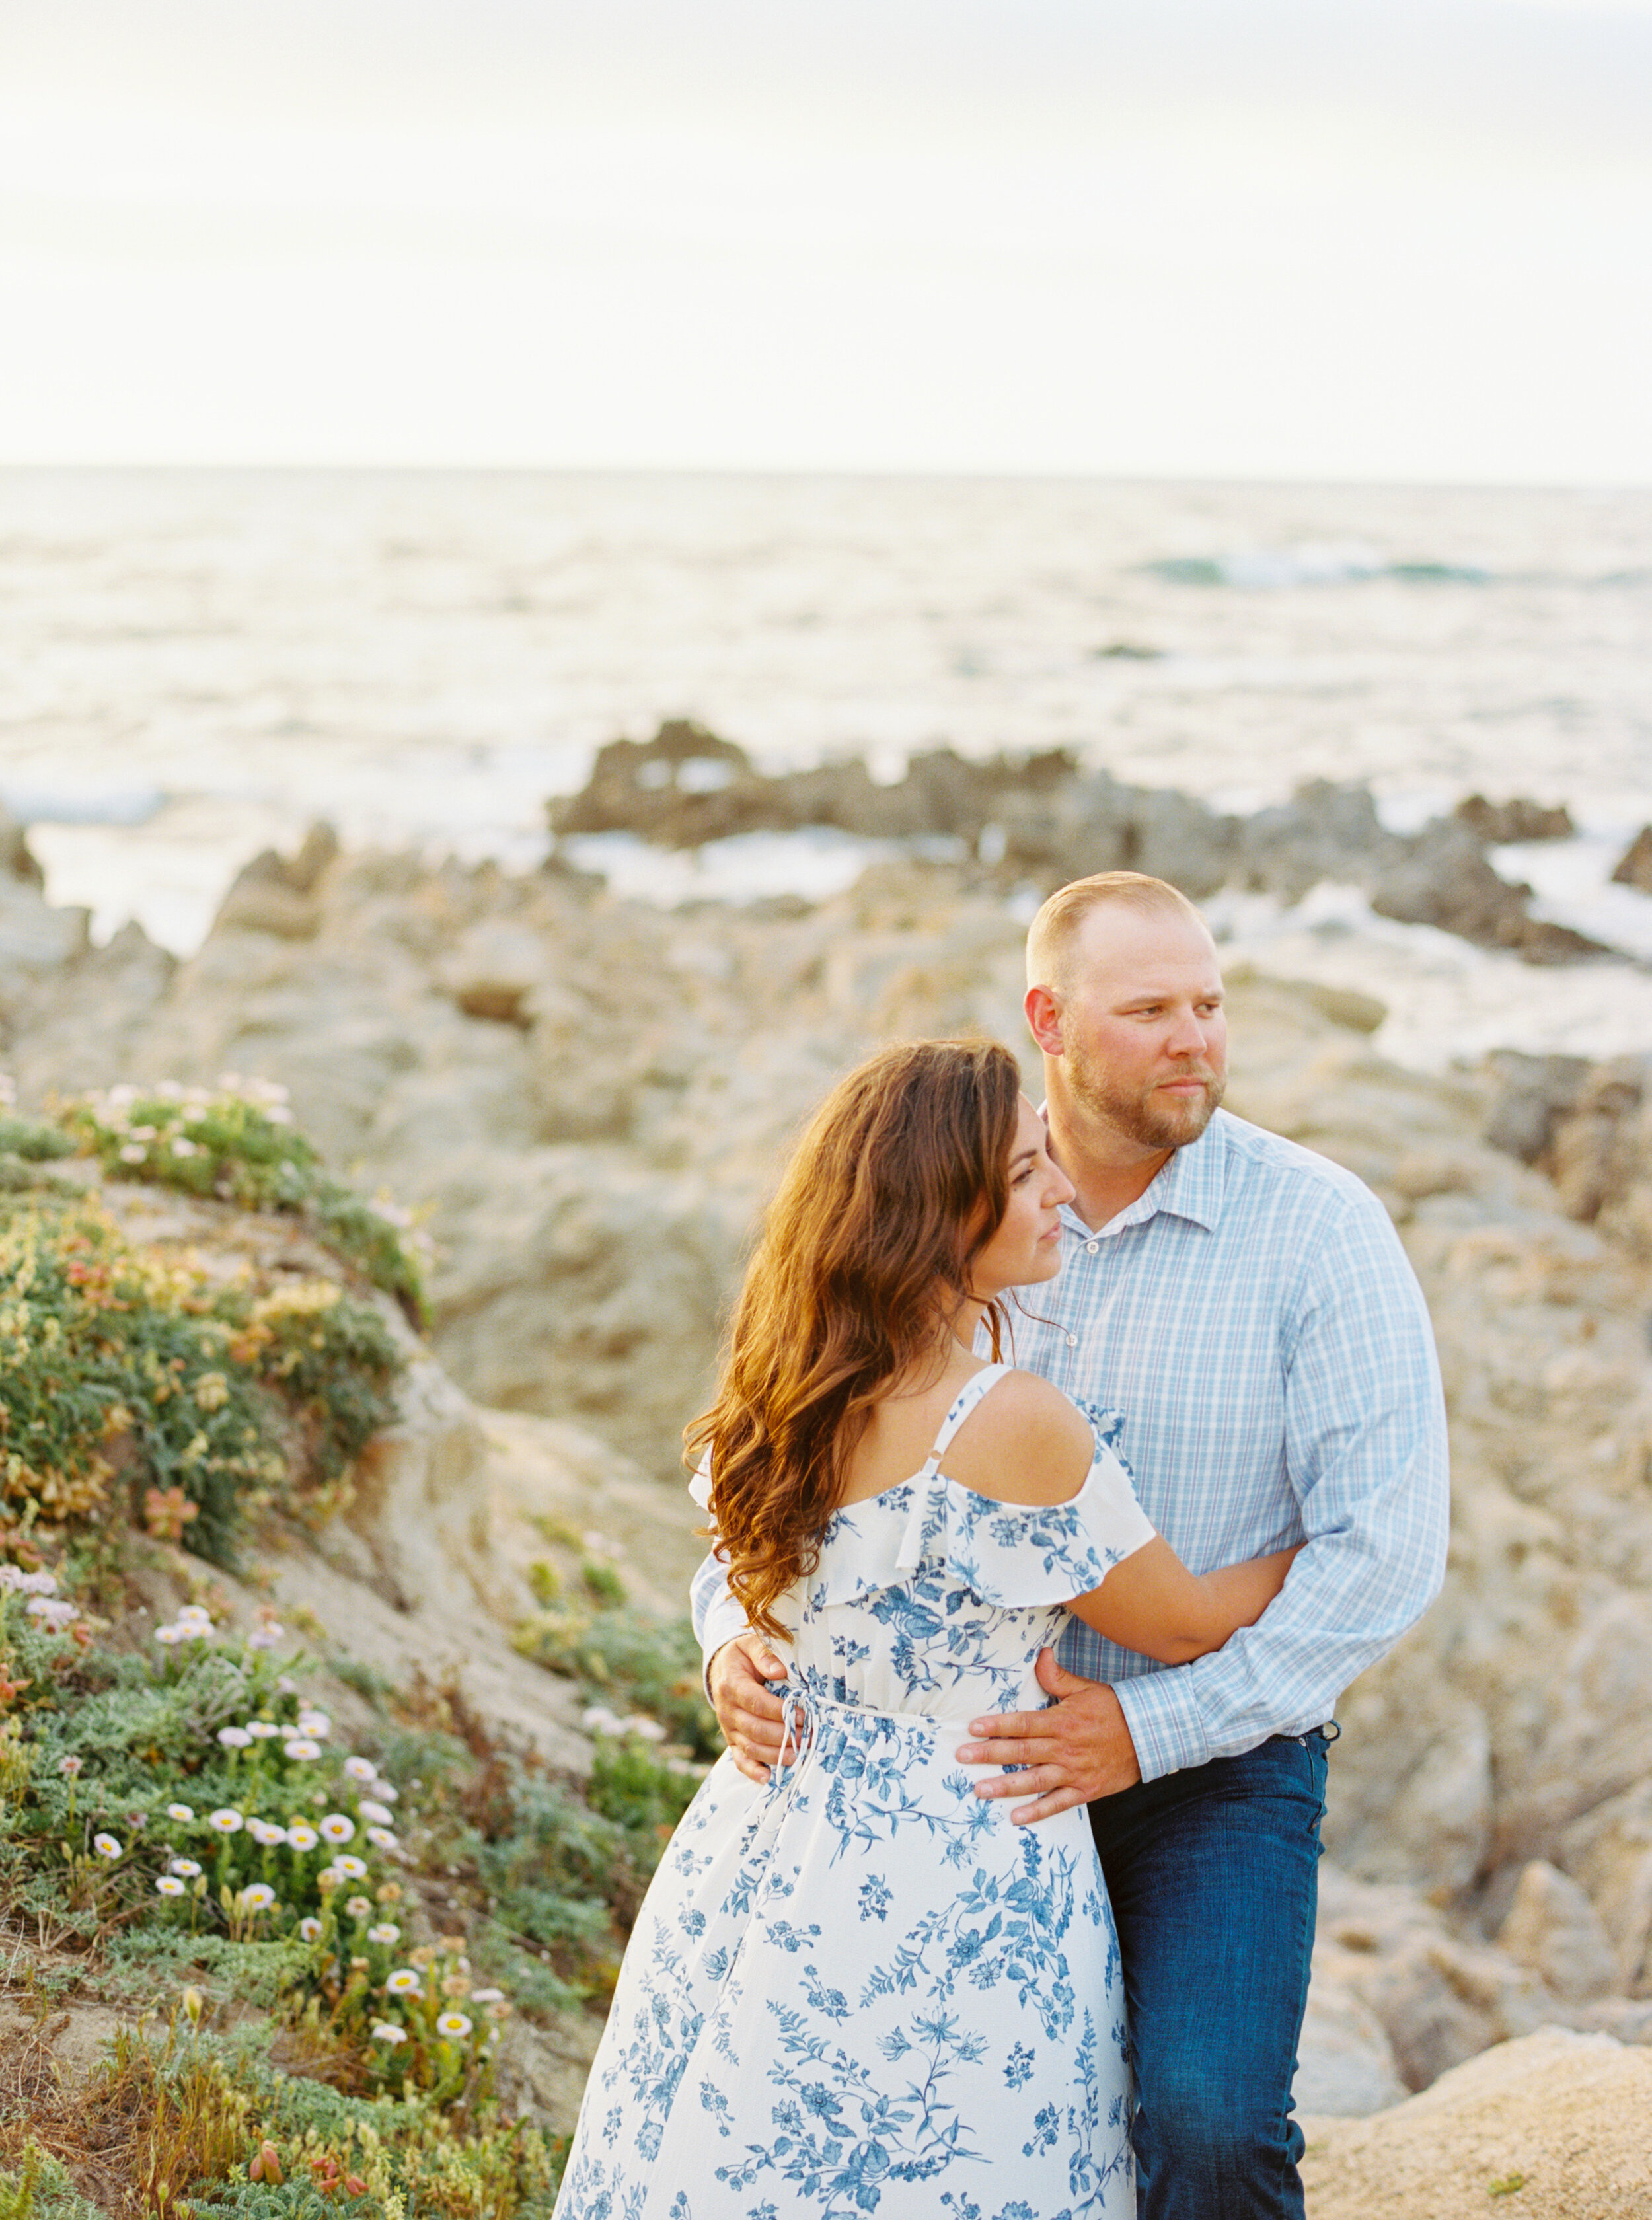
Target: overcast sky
x,y
1382,238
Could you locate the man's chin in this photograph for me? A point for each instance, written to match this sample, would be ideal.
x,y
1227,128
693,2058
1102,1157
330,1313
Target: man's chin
x,y
1172,1123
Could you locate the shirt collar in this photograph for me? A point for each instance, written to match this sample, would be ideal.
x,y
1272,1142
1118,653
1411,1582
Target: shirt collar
x,y
1190,1186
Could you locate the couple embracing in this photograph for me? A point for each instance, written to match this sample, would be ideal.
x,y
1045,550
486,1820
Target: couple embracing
x,y
999,1906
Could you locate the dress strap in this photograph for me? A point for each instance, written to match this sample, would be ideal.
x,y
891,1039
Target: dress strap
x,y
969,1395
927,1518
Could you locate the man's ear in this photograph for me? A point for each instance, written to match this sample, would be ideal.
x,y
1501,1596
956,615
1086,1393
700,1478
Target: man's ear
x,y
1042,1008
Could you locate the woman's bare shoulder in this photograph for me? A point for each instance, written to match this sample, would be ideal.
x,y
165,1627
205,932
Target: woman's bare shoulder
x,y
1024,1442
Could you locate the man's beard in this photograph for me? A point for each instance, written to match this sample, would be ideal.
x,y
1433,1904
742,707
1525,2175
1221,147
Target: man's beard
x,y
1157,1121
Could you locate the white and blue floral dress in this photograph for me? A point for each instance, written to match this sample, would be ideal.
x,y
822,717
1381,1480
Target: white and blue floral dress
x,y
859,1989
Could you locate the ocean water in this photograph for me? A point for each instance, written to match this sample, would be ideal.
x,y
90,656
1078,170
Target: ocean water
x,y
193,665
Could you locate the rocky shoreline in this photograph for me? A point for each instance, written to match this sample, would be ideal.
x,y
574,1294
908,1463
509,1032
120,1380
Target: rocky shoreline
x,y
585,1099
1043,819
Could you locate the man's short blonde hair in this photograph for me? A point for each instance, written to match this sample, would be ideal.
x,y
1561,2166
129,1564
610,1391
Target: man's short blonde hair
x,y
1057,927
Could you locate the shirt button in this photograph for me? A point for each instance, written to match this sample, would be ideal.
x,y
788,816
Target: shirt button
x,y
1072,1340
1090,1248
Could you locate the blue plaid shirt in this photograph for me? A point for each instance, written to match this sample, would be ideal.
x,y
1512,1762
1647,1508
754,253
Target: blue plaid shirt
x,y
1256,1321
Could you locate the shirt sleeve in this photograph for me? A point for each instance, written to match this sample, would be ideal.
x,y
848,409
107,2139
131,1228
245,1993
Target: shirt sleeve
x,y
1365,1451
717,1617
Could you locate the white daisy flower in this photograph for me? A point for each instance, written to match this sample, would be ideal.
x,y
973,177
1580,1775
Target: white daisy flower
x,y
310,1928
265,1637
350,1868
227,1821
312,1722
487,1996
404,1982
359,1906
262,1730
106,1846
186,1868
361,1768
184,1813
386,1794
336,1827
172,1635
259,1898
266,1833
169,1885
301,1748
301,1836
382,1838
453,2024
234,1738
197,1612
385,2030
386,1932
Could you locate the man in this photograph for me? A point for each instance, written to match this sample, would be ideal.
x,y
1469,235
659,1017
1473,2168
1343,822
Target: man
x,y
1247,1307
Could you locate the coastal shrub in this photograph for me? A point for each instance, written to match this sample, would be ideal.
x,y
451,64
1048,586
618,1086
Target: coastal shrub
x,y
185,1809
123,1370
620,1656
202,2123
237,1143
36,1142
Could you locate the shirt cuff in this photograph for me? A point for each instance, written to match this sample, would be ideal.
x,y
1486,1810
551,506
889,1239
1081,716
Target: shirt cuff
x,y
725,1621
1162,1711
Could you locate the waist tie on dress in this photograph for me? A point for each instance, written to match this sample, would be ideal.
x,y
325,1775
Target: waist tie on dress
x,y
804,1711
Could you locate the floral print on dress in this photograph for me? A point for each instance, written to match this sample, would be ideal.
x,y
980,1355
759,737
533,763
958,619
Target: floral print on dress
x,y
859,1989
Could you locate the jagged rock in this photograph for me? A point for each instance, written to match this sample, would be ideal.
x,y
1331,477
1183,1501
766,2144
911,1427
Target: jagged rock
x,y
274,894
1554,2122
1532,1093
1501,824
1444,880
17,857
1554,1929
1324,831
1634,866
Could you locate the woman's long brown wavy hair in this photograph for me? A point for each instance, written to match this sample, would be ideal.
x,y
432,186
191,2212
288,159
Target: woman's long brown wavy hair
x,y
900,1181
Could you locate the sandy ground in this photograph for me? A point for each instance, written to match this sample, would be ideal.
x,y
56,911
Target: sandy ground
x,y
1557,2126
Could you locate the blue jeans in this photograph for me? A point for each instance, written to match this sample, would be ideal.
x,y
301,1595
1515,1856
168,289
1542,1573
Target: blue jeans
x,y
1213,1874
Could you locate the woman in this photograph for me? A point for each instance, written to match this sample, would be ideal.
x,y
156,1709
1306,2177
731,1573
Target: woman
x,y
861,1988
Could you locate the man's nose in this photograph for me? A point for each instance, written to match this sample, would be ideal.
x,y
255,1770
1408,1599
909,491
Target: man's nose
x,y
1187,1036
